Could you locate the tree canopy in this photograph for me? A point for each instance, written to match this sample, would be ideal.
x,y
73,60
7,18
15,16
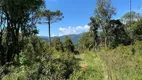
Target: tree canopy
x,y
50,17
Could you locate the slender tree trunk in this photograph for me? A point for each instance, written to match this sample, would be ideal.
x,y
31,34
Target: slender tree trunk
x,y
106,33
105,36
95,41
105,42
49,33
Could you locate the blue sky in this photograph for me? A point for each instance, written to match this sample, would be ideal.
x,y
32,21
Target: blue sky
x,y
77,13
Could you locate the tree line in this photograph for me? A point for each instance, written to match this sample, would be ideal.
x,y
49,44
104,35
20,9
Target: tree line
x,y
110,33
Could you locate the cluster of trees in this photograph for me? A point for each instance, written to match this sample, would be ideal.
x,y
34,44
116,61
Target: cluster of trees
x,y
110,33
18,20
36,62
21,48
65,46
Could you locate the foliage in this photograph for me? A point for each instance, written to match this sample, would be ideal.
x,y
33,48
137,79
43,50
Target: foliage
x,y
85,41
137,30
17,18
68,44
133,25
34,49
57,69
94,30
42,65
117,34
103,14
133,16
57,44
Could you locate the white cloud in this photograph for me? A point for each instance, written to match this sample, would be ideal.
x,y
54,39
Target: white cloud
x,y
73,30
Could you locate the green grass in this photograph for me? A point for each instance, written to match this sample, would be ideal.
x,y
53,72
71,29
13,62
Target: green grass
x,y
92,67
111,64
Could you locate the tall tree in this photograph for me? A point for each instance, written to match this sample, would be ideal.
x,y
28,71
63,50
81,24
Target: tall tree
x,y
103,13
132,22
51,17
17,17
133,16
94,30
137,30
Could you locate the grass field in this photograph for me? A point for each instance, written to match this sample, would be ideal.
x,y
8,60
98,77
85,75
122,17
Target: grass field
x,y
116,64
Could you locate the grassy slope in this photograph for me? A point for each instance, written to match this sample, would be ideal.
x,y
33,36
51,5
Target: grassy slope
x,y
116,64
92,67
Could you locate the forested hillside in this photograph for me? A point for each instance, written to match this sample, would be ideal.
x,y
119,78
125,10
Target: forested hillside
x,y
110,50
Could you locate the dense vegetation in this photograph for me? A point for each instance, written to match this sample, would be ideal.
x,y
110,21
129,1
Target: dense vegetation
x,y
111,50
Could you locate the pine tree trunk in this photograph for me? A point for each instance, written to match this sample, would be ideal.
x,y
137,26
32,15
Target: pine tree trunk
x,y
49,33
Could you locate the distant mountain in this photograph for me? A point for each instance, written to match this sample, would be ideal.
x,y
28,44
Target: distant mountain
x,y
75,37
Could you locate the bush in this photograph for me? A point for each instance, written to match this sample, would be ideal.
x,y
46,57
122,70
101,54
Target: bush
x,y
68,44
57,68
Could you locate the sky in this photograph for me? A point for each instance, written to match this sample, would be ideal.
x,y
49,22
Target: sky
x,y
77,15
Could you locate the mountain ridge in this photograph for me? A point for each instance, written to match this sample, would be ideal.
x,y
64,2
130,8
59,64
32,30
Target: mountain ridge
x,y
74,37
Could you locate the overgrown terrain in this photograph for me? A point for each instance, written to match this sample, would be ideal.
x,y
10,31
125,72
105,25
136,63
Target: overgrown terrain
x,y
110,50
116,64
